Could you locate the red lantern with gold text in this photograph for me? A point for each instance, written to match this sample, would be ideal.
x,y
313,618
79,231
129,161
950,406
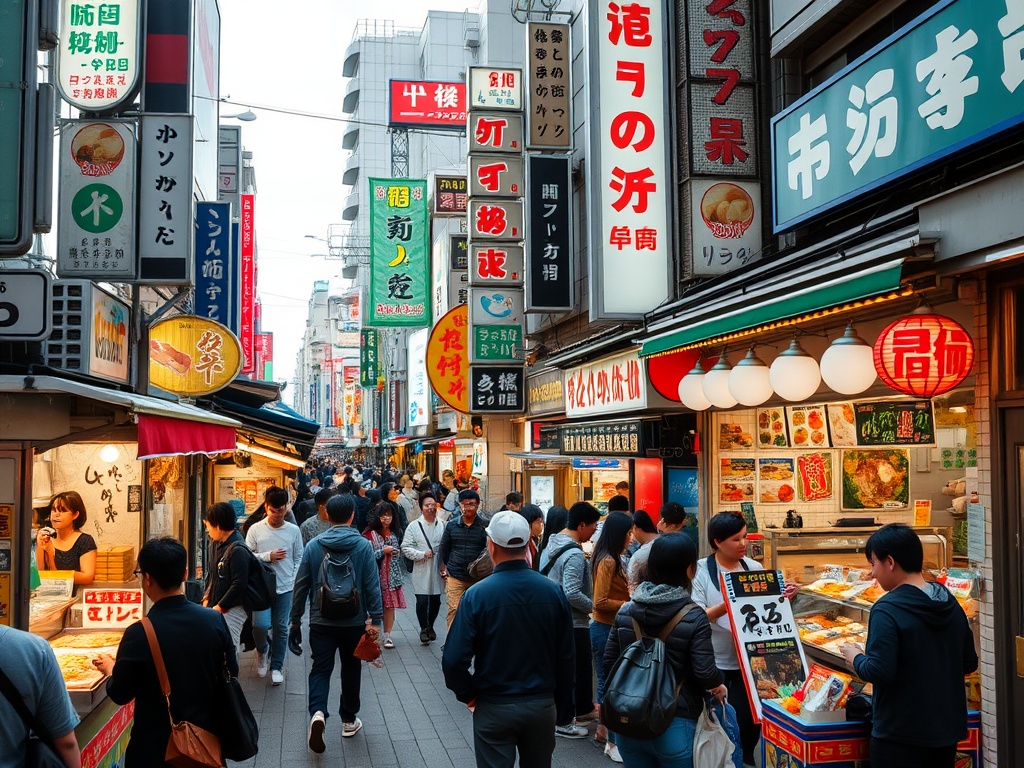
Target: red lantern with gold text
x,y
924,354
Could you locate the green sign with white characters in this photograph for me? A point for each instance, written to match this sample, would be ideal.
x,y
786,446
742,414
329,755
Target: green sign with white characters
x,y
399,254
368,352
948,80
497,342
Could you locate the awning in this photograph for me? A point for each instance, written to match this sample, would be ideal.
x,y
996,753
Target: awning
x,y
275,420
287,459
161,436
768,294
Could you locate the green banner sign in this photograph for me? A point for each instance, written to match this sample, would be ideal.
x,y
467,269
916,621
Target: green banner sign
x,y
399,254
948,80
368,368
497,342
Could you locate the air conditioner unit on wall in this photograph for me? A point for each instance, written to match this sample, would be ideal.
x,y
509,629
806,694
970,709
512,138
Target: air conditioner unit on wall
x,y
90,331
472,37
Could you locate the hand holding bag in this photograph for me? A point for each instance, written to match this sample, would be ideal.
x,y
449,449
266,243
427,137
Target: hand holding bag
x,y
189,745
39,751
367,649
711,745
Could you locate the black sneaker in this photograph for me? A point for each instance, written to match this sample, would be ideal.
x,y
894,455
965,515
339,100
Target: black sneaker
x,y
424,637
433,634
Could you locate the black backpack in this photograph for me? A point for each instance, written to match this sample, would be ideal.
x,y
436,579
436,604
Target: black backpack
x,y
261,587
338,597
641,692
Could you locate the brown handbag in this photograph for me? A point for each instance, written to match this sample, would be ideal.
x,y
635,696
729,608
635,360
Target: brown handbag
x,y
189,745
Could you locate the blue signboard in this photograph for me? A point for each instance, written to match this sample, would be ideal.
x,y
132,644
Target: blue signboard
x,y
216,264
595,464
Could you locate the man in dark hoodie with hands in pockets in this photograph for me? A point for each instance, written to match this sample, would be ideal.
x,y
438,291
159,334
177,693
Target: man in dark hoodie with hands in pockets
x,y
328,637
919,649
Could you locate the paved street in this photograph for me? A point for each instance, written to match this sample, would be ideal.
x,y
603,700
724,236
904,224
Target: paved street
x,y
409,718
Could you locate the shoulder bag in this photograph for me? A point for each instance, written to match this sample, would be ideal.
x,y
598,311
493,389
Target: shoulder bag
x,y
239,731
39,751
558,553
189,745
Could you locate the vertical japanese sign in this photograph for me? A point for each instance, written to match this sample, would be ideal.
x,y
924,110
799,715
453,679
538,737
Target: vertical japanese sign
x,y
216,277
765,634
353,397
549,92
549,262
450,194
447,359
96,221
497,389
399,254
368,353
416,373
247,255
630,238
458,270
264,348
165,200
98,54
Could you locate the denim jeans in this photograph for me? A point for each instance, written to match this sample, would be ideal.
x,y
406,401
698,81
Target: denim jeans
x,y
275,616
673,749
599,634
324,643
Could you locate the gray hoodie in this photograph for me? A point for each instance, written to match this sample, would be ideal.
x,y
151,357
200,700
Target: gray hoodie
x,y
572,571
343,540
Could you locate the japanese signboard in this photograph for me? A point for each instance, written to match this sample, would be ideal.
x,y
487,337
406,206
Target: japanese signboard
x,y
458,252
450,194
623,438
396,413
217,271
496,176
496,316
111,607
190,355
496,264
399,254
368,352
549,278
427,104
612,385
892,422
96,219
98,54
263,349
725,225
497,342
495,219
229,164
247,256
549,93
26,305
497,389
419,393
491,88
947,80
108,337
544,393
447,359
765,633
628,160
165,200
496,132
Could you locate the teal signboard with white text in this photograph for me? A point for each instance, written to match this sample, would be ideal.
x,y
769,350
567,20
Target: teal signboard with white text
x,y
946,81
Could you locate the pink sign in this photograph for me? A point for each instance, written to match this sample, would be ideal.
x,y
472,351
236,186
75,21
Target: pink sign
x,y
247,329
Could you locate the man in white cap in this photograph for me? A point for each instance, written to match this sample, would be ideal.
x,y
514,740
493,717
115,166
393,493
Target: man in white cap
x,y
514,629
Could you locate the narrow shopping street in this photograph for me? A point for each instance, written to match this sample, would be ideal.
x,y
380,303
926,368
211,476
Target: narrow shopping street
x,y
409,718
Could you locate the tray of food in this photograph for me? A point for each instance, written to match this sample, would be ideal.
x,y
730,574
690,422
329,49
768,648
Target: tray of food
x,y
85,639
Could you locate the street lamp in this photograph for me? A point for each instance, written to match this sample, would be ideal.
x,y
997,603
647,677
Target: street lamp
x,y
246,117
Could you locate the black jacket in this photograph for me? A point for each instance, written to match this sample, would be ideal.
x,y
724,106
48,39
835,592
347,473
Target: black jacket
x,y
228,577
689,648
462,544
195,644
919,648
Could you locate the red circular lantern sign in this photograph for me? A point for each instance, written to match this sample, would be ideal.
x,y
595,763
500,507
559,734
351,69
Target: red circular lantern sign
x,y
924,355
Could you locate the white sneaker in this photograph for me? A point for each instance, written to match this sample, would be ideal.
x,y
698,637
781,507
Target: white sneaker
x,y
276,677
351,729
613,752
571,731
261,664
317,726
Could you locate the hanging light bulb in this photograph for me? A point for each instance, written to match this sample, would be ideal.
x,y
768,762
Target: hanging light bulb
x,y
691,389
795,375
749,381
847,366
716,385
108,453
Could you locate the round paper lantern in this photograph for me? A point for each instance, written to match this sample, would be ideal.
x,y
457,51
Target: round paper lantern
x,y
795,375
924,354
664,371
847,366
691,390
749,381
716,384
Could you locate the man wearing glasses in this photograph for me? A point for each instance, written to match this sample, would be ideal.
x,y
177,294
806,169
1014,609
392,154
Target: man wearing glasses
x,y
463,541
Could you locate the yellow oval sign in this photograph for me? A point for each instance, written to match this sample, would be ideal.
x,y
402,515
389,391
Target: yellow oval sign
x,y
448,358
191,355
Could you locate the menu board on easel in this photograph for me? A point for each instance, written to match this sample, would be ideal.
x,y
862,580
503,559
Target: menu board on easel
x,y
765,634
895,422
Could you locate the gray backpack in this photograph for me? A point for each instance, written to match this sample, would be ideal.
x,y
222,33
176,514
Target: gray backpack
x,y
339,596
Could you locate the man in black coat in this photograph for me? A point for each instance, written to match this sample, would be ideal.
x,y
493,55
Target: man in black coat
x,y
196,647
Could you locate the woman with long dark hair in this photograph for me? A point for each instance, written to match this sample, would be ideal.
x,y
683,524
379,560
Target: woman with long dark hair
x,y
611,592
384,539
555,521
535,517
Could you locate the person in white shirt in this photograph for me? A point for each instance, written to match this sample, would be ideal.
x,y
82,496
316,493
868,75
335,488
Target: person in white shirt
x,y
278,542
420,544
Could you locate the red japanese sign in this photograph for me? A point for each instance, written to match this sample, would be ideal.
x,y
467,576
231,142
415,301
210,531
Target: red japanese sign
x,y
111,607
448,358
606,386
113,732
495,132
495,219
924,355
423,103
247,251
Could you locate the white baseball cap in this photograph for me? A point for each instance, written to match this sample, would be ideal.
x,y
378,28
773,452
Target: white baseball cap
x,y
509,529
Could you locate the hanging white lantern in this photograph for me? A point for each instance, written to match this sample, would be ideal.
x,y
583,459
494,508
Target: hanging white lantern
x,y
749,381
848,366
691,390
795,375
716,385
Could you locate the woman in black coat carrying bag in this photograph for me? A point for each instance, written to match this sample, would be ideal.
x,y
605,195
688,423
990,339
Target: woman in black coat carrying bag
x,y
664,591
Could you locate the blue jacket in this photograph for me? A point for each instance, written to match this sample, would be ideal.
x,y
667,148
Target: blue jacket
x,y
343,540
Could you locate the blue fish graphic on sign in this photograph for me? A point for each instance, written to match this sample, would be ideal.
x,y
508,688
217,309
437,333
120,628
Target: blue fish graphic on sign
x,y
497,305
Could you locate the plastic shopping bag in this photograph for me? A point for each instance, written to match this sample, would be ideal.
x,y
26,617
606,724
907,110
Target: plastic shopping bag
x,y
711,745
727,717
